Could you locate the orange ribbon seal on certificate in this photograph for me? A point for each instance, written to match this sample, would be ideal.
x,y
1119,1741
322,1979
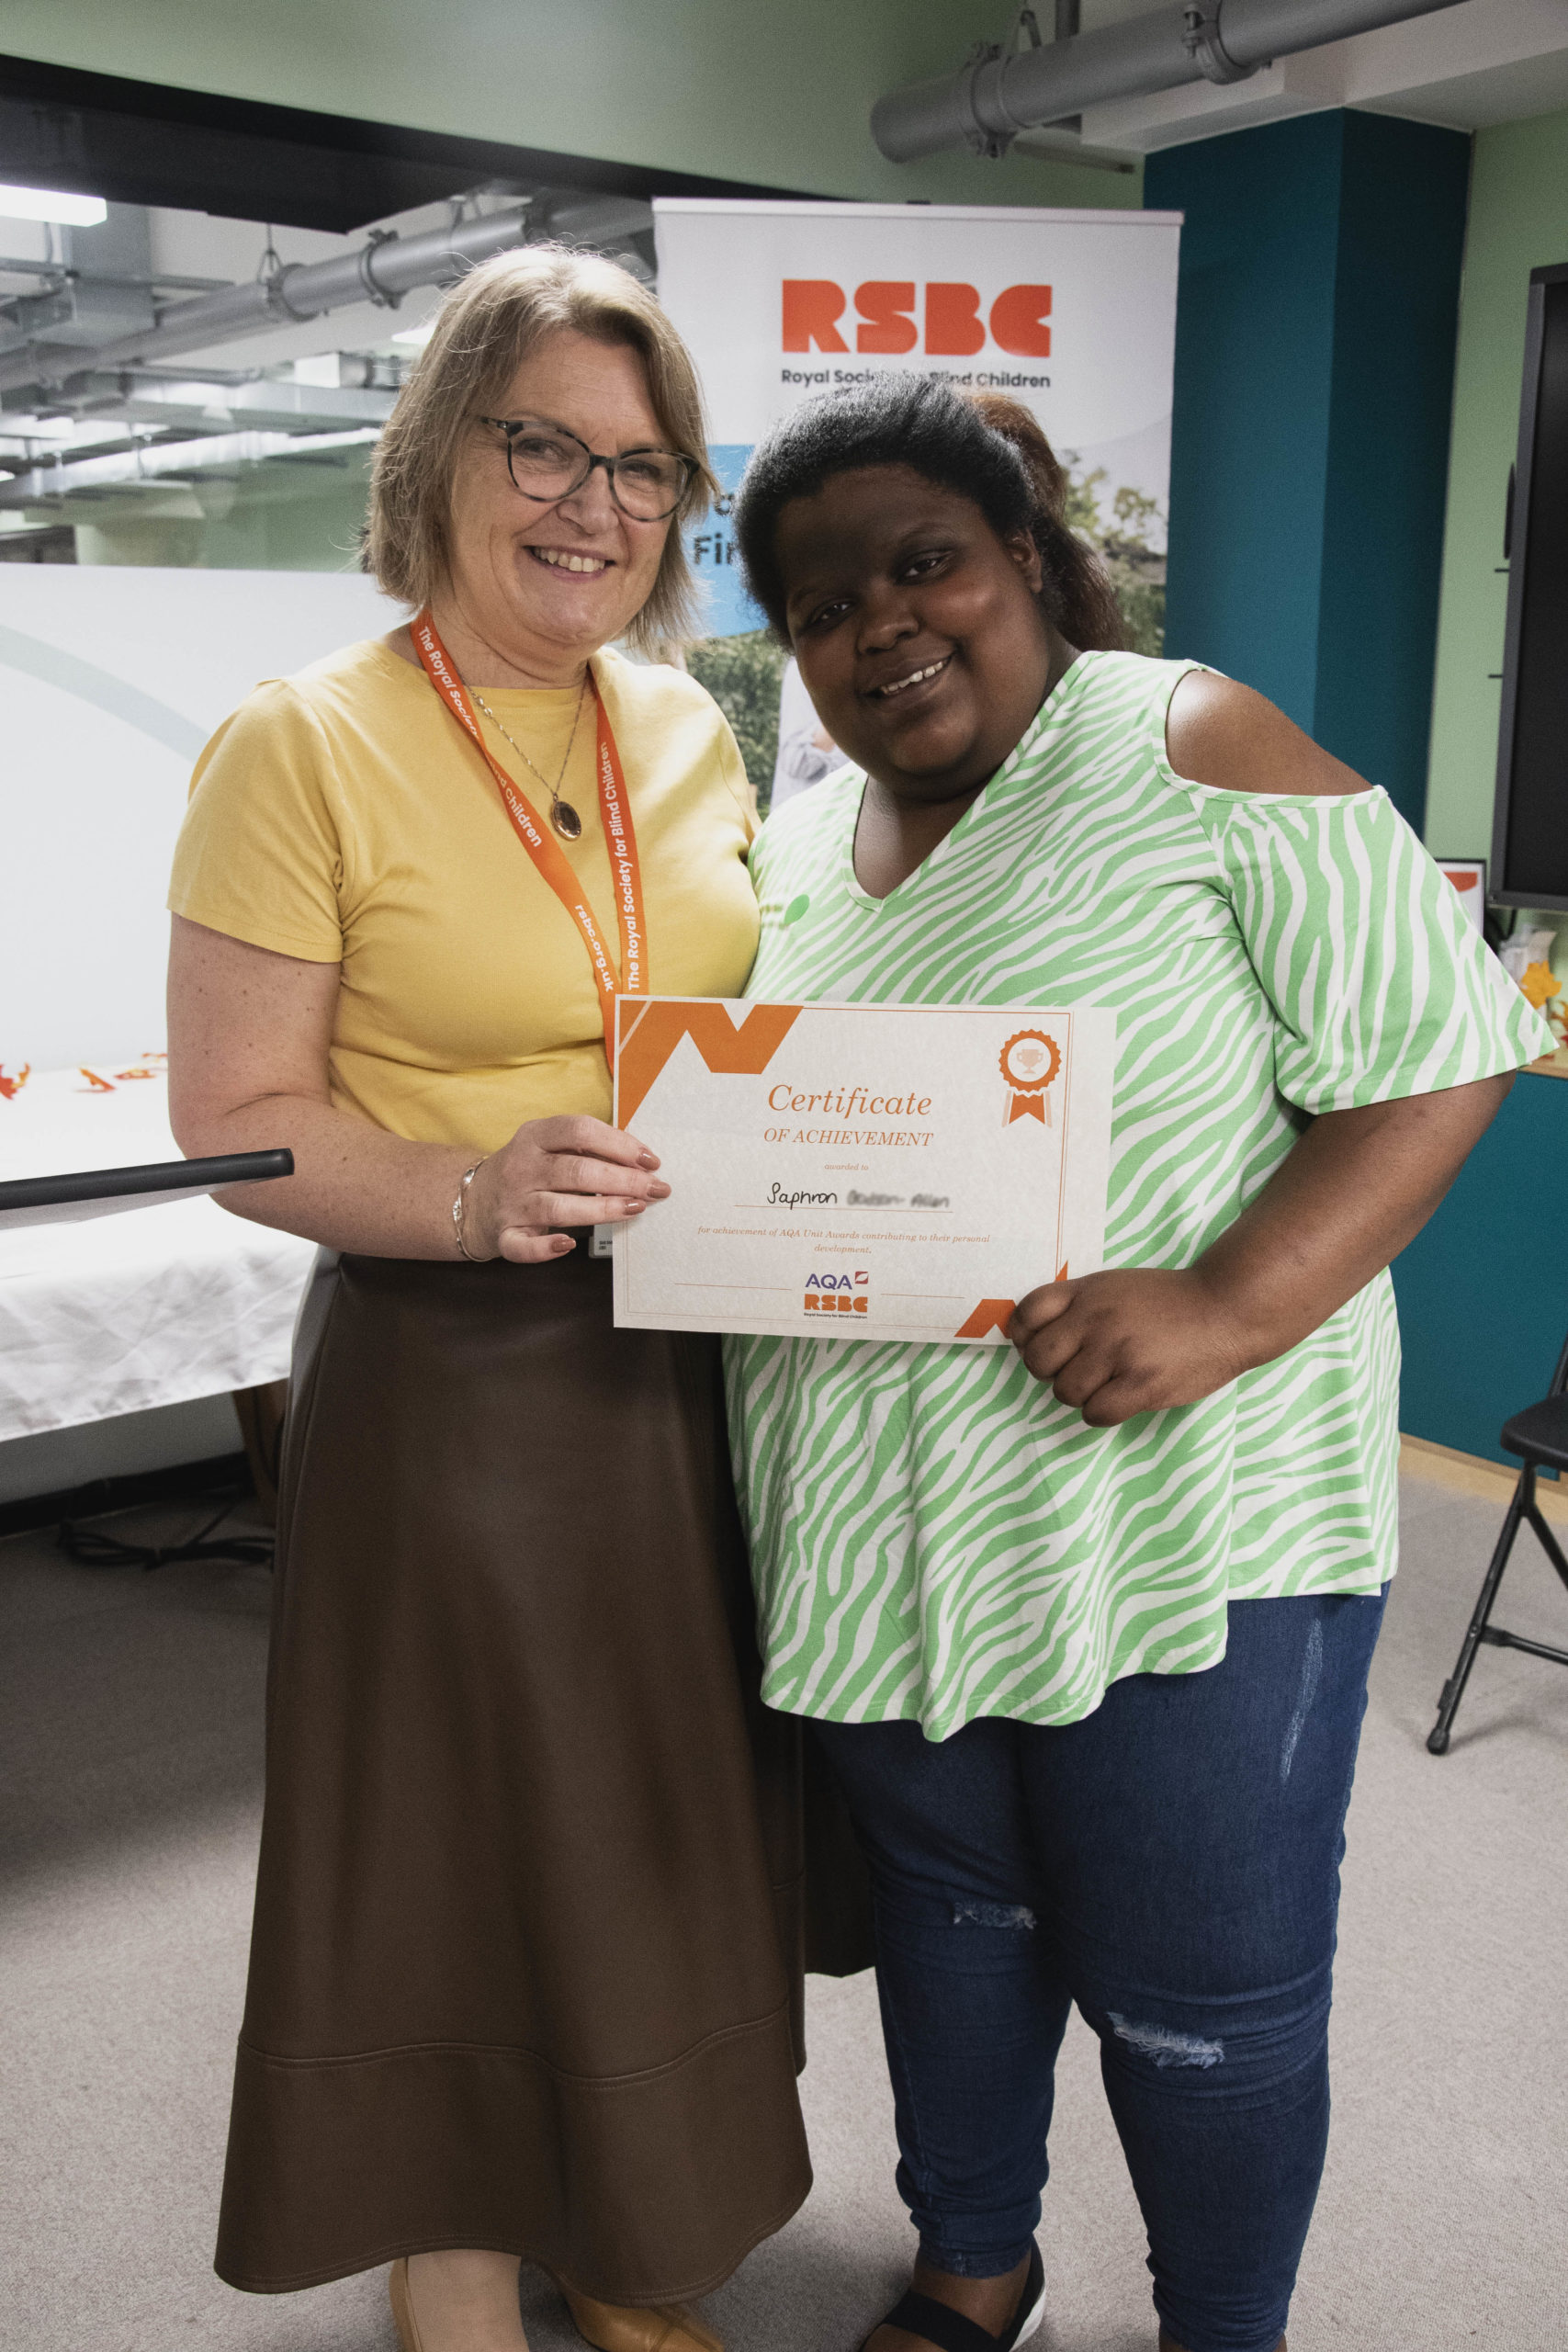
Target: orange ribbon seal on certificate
x,y
1029,1062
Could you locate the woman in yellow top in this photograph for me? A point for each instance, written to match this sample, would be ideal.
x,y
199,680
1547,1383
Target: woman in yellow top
x,y
524,1975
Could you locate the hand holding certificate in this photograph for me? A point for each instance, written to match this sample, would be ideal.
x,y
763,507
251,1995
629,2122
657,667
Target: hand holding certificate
x,y
871,1172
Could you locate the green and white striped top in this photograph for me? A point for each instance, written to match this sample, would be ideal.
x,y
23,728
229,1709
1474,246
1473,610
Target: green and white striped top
x,y
933,1535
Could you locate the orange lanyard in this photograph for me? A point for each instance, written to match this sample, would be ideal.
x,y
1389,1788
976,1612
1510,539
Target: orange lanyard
x,y
555,868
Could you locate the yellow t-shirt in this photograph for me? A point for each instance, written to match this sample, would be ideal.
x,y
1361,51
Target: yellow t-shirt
x,y
341,816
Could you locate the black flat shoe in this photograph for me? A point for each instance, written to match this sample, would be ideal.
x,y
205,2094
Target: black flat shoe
x,y
951,2331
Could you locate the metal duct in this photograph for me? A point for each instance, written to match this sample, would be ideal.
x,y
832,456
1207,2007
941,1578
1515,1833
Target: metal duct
x,y
986,104
169,461
382,270
103,289
133,399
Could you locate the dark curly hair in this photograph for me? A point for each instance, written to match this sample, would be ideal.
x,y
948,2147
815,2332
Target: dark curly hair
x,y
987,447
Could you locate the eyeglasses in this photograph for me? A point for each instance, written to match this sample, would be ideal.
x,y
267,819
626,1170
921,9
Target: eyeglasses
x,y
547,462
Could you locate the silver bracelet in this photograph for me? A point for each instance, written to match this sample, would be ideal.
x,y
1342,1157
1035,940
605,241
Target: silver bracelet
x,y
459,1204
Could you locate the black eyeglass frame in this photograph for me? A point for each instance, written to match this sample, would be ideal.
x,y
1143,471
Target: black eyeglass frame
x,y
507,426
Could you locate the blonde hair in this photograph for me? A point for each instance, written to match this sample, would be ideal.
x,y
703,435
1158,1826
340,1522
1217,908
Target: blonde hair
x,y
487,326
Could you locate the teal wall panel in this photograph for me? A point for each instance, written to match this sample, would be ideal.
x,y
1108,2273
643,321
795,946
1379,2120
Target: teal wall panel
x,y
1315,339
1395,334
1484,1291
1250,414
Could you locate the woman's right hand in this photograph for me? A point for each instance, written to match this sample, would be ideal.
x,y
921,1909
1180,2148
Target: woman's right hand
x,y
554,1172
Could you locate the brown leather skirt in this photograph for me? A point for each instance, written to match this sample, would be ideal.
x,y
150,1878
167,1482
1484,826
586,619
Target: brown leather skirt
x,y
526,1964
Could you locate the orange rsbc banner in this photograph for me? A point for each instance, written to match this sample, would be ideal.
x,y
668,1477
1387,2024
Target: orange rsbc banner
x,y
1073,313
942,317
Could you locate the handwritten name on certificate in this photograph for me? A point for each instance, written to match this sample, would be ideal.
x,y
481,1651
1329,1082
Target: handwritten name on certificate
x,y
871,1172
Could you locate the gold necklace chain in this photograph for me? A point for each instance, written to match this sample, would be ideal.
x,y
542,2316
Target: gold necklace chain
x,y
563,816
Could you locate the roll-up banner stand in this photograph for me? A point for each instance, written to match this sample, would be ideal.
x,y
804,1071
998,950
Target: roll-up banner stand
x,y
1072,314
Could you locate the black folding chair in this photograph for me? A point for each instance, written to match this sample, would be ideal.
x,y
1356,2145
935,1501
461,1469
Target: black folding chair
x,y
1540,1435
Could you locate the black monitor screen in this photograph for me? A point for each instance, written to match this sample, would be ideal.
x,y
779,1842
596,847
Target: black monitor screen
x,y
1529,845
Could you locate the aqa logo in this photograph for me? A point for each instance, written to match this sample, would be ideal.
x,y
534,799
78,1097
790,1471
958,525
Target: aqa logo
x,y
837,1294
950,322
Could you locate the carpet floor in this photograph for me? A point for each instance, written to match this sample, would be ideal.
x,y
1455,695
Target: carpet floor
x,y
130,1785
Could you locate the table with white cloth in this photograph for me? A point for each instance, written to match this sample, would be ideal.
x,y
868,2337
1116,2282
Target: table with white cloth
x,y
145,1307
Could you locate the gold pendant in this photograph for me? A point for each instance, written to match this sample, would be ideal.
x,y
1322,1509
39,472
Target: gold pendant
x,y
566,821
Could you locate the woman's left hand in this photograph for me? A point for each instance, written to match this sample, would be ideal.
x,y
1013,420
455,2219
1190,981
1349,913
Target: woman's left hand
x,y
1120,1343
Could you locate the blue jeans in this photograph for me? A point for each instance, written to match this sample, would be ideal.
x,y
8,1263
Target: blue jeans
x,y
1170,1863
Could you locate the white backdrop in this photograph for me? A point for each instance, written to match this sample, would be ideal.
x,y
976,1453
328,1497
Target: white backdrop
x,y
1073,313
110,682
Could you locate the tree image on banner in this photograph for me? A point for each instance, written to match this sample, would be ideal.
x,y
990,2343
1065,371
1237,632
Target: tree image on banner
x,y
1122,542
744,674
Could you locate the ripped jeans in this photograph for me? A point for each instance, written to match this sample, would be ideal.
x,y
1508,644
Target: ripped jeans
x,y
1170,1863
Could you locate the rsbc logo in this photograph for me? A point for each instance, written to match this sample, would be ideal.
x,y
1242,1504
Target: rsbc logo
x,y
886,318
834,1294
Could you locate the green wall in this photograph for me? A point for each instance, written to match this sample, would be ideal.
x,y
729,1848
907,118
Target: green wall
x,y
740,89
1482,1291
1519,221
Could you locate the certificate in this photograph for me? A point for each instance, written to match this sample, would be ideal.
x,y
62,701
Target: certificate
x,y
866,1171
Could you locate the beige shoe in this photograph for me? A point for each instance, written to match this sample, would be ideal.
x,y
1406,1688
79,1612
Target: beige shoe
x,y
403,2308
616,2328
402,2295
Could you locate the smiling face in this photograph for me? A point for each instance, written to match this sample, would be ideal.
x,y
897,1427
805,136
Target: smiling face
x,y
542,587
917,630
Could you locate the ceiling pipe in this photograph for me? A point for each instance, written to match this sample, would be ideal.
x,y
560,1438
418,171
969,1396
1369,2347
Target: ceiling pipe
x,y
168,463
994,96
382,271
202,408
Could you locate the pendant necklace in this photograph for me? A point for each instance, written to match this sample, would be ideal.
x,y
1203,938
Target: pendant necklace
x,y
563,816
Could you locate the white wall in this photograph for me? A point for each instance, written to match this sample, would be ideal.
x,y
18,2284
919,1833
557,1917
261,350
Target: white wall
x,y
110,682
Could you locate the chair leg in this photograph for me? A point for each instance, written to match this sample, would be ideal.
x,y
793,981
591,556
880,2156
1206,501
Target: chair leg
x,y
1453,1689
1550,1544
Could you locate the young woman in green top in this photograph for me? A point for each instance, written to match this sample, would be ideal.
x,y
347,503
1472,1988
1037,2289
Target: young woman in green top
x,y
1084,1624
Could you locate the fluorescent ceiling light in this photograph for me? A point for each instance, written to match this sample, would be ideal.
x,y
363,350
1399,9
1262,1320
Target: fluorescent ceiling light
x,y
416,334
48,204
